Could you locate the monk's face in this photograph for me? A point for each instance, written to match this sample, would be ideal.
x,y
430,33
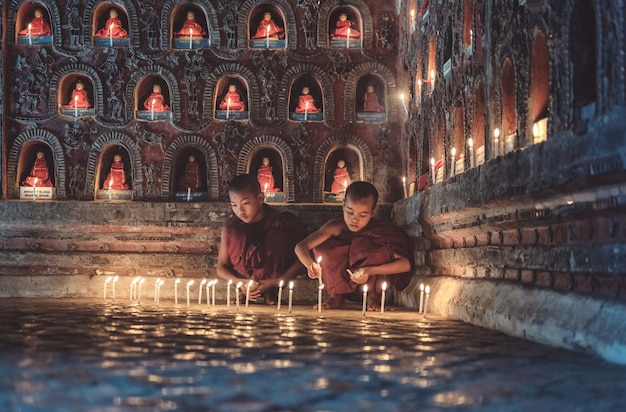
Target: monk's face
x,y
247,206
357,214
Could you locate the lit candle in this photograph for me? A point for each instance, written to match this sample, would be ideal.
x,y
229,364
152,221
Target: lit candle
x,y
156,286
111,34
190,38
404,186
306,110
200,291
106,282
131,290
496,136
35,189
115,279
136,281
453,166
152,109
228,109
265,190
188,286
213,292
470,144
419,90
290,296
267,37
426,301
30,38
432,170
188,194
412,20
319,277
110,184
248,286
230,282
76,106
348,39
421,308
406,111
176,291
139,294
319,297
280,294
432,80
382,298
364,300
237,287
160,283
208,285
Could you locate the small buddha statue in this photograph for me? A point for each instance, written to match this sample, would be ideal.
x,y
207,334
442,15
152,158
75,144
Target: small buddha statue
x,y
156,102
265,176
112,27
79,98
345,29
341,178
38,176
38,26
370,101
268,29
116,179
306,102
191,27
232,100
191,177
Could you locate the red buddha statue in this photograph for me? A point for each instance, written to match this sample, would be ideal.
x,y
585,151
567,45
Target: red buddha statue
x,y
341,178
112,27
344,29
268,29
191,27
370,101
265,177
79,98
116,179
39,173
306,103
156,102
232,100
191,178
37,26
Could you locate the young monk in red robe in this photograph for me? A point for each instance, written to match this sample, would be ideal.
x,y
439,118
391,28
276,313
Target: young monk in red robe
x,y
258,242
268,29
112,27
191,27
358,249
37,26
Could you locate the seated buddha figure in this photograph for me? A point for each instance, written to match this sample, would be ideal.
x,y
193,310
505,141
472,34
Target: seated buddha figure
x,y
306,102
345,29
191,27
191,176
341,178
156,102
370,101
116,179
268,29
79,98
265,177
37,26
112,27
232,100
38,175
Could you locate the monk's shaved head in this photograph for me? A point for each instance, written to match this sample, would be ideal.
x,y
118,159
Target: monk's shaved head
x,y
245,183
360,191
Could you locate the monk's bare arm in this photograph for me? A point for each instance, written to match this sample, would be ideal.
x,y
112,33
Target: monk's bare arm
x,y
400,264
224,268
328,230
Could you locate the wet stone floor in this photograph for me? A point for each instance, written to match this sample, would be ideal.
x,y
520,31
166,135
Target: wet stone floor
x,y
90,355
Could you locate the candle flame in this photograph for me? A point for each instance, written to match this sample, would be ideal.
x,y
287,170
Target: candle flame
x,y
142,281
177,281
281,283
190,283
453,151
116,278
291,285
230,282
384,286
319,259
364,288
239,285
421,287
250,282
321,286
496,132
427,290
403,179
108,279
30,26
470,142
203,282
432,161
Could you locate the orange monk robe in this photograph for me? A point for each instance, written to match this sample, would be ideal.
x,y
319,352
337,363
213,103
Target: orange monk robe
x,y
190,27
191,178
156,102
341,180
38,27
266,178
341,30
39,172
235,103
302,104
79,100
370,103
116,178
264,249
373,245
117,31
274,30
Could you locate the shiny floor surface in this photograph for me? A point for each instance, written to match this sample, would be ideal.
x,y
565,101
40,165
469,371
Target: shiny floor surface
x,y
90,355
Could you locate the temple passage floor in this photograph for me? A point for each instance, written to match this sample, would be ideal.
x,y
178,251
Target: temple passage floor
x,y
95,355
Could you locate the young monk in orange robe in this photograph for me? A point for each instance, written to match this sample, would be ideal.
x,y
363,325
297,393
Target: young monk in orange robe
x,y
373,250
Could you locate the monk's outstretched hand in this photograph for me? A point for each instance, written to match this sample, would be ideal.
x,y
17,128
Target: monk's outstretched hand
x,y
314,270
359,276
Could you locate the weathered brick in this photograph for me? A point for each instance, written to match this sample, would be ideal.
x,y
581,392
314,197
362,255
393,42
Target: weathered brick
x,y
559,233
527,277
606,286
483,239
562,281
543,280
510,237
529,236
582,283
512,274
580,231
601,229
543,237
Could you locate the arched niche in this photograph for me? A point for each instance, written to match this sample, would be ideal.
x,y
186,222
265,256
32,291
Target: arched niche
x,y
371,99
539,87
359,6
438,160
114,181
479,125
110,30
189,27
74,101
583,55
190,174
266,27
36,176
509,110
306,100
345,26
152,99
231,98
33,25
343,166
458,139
468,23
267,164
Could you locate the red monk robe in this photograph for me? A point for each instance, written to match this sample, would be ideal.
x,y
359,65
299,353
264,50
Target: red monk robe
x,y
190,27
266,178
264,249
344,29
268,29
156,102
116,179
375,244
234,104
112,27
39,172
79,99
302,104
341,179
191,178
370,101
38,26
